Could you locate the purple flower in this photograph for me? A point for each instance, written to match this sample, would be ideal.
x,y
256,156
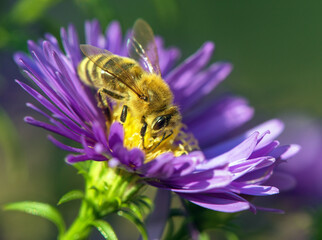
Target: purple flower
x,y
300,178
227,167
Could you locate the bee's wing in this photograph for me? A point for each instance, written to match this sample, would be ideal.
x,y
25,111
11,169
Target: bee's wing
x,y
141,46
117,71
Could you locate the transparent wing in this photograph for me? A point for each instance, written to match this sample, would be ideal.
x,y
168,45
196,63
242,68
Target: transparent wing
x,y
141,47
113,68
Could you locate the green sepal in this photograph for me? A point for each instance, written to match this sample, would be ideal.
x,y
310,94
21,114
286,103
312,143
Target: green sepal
x,y
39,209
71,195
139,206
105,229
136,221
143,202
135,209
83,167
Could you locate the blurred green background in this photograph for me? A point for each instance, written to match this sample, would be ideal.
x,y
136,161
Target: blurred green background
x,y
275,47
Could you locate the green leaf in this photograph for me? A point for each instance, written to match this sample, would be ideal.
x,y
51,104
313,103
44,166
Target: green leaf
x,y
39,209
72,195
136,221
105,229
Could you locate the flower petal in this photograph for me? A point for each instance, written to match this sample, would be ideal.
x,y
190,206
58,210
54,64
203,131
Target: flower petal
x,y
114,37
254,190
202,84
241,151
220,119
286,151
223,202
201,181
177,79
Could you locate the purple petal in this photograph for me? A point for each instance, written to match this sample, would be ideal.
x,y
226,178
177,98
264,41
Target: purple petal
x,y
250,166
275,128
202,181
71,159
258,176
93,34
167,57
283,181
202,84
177,79
114,38
136,158
71,45
241,151
254,190
265,150
52,128
116,135
159,167
220,119
223,202
285,152
49,37
270,210
156,221
64,146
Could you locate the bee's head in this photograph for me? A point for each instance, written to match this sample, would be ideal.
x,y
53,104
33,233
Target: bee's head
x,y
165,121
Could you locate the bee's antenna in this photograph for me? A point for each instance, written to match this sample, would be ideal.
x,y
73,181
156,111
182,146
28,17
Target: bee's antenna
x,y
163,138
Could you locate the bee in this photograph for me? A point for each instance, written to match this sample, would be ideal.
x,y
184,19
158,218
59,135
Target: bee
x,y
135,83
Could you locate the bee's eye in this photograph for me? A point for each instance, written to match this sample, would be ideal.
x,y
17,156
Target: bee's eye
x,y
161,122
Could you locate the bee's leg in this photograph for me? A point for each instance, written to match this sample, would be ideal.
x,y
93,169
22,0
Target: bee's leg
x,y
123,114
164,137
143,130
114,95
101,99
104,106
103,103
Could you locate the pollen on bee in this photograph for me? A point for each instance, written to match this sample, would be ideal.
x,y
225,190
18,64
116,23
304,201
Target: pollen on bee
x,y
179,143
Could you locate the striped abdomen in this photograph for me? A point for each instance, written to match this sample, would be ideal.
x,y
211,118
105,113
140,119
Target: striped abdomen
x,y
109,71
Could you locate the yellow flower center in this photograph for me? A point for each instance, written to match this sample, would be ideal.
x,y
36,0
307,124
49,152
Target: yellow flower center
x,y
179,142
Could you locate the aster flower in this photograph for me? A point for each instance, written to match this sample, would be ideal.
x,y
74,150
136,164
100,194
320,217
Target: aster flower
x,y
299,179
206,163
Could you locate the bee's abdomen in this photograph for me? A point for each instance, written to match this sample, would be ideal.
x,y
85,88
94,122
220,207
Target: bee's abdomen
x,y
107,70
89,72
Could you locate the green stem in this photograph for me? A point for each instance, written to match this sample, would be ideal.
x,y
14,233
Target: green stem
x,y
106,191
81,227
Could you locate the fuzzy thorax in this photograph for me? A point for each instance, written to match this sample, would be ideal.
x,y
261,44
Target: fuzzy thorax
x,y
179,142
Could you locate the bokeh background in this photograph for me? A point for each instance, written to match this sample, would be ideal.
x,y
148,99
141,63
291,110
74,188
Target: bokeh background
x,y
275,47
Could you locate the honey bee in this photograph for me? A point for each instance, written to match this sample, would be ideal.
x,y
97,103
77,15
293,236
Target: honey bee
x,y
135,83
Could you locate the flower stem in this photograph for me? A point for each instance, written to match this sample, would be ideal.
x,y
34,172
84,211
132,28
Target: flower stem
x,y
81,227
106,190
